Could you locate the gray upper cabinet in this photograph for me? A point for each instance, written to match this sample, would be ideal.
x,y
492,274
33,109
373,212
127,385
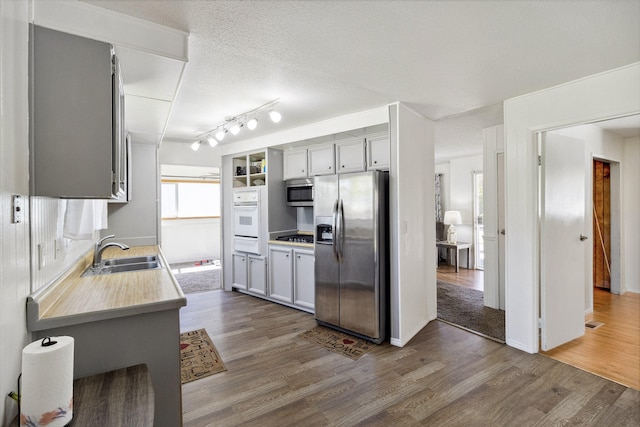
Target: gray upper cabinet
x,y
350,156
295,163
378,152
321,160
77,136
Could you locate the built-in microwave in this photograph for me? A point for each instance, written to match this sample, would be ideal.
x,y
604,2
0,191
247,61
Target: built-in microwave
x,y
299,192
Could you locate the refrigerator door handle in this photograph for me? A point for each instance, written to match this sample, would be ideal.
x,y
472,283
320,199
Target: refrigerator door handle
x,y
334,240
341,231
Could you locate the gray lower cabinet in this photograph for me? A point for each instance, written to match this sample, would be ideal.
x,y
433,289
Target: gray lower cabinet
x,y
250,273
291,276
239,270
281,274
257,275
304,279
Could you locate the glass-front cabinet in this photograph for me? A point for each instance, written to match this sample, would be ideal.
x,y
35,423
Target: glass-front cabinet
x,y
250,170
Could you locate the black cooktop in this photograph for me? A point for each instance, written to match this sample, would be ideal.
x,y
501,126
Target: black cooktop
x,y
297,238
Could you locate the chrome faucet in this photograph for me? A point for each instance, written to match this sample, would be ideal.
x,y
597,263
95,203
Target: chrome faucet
x,y
99,248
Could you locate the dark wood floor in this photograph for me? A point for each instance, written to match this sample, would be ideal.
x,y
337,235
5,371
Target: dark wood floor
x,y
444,376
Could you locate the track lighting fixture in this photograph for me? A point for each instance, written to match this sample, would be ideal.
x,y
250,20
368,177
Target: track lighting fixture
x,y
234,124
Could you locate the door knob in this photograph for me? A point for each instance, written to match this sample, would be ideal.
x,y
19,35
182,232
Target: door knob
x,y
503,232
583,237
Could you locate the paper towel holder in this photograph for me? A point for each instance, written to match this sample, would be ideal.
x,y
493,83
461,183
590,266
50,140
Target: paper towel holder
x,y
46,343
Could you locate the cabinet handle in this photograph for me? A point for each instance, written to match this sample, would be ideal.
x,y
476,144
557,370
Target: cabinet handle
x,y
375,161
342,166
329,167
298,256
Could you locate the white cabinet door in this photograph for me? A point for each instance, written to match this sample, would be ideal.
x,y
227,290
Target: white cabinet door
x,y
304,282
280,274
257,280
378,152
350,156
295,163
321,160
239,271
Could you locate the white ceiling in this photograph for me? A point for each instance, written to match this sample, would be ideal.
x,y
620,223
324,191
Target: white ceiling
x,y
626,127
329,58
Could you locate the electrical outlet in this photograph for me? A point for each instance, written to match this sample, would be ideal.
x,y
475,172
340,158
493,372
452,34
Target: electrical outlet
x,y
41,257
18,209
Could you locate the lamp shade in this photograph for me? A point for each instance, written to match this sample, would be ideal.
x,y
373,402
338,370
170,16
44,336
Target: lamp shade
x,y
452,217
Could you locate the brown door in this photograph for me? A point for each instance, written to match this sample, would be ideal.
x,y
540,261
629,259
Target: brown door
x,y
601,225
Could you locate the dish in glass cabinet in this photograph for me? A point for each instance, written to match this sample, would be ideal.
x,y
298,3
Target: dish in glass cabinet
x,y
258,182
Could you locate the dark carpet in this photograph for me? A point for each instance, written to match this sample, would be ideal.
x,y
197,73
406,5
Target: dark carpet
x,y
465,307
194,279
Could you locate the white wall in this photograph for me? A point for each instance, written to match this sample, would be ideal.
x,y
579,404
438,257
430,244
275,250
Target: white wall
x,y
461,135
136,223
191,240
606,95
47,224
631,216
412,219
14,166
180,153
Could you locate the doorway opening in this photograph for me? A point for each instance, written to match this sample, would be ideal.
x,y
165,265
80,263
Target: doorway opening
x,y
601,224
611,348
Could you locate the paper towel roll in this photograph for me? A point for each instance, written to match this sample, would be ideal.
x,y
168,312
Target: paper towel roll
x,y
47,383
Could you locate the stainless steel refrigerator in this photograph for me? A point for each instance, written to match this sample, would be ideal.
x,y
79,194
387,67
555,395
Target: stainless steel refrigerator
x,y
351,256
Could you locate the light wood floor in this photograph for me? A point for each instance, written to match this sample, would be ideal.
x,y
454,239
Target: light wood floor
x,y
443,377
473,279
612,350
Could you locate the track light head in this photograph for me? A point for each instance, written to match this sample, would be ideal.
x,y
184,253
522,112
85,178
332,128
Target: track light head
x,y
252,124
196,145
236,128
211,140
220,134
275,116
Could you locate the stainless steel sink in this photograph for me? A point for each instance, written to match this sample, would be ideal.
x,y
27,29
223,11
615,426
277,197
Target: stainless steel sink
x,y
124,265
131,260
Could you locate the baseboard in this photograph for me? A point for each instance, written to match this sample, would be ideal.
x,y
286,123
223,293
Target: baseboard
x,y
402,342
520,346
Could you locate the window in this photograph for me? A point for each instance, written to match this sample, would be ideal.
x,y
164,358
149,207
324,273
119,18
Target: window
x,y
185,199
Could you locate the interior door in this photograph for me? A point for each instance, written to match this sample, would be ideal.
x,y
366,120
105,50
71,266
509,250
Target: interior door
x,y
562,235
501,230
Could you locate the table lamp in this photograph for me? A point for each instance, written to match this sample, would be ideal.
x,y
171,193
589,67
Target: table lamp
x,y
452,218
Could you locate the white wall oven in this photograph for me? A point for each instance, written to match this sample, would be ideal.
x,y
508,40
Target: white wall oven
x,y
246,221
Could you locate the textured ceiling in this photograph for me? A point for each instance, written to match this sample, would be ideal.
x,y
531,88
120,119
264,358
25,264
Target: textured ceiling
x,y
329,58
